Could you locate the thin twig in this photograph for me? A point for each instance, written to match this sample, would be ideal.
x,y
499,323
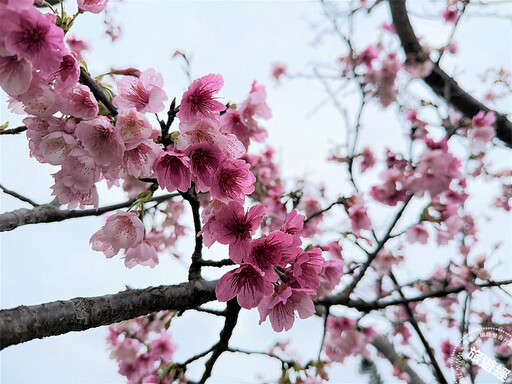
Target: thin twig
x,y
13,131
18,196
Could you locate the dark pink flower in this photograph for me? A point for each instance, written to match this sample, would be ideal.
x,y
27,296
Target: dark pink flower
x,y
144,93
172,171
450,15
270,250
233,226
205,158
232,181
294,224
199,101
417,233
68,73
34,36
368,159
247,283
281,307
359,218
163,347
278,70
367,56
307,267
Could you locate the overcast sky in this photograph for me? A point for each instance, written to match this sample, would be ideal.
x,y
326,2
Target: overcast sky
x,y
240,40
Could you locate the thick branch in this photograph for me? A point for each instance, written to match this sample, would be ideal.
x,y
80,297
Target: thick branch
x,y
386,348
13,131
440,82
48,213
97,91
37,321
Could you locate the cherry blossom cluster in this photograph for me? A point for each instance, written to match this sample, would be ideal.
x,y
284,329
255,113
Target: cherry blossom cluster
x,y
143,348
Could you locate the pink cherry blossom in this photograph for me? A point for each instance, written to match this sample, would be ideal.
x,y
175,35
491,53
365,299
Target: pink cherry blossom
x,y
359,218
293,225
450,15
482,131
233,226
142,254
368,159
367,56
68,73
330,276
15,74
232,181
79,102
144,93
56,146
76,45
93,6
39,99
172,171
278,70
163,347
247,283
82,169
307,268
393,190
417,233
139,158
34,36
198,131
255,106
281,307
199,101
205,158
133,126
72,195
122,230
270,250
102,141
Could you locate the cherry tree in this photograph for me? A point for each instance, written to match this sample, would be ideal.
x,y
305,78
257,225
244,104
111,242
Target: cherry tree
x,y
196,168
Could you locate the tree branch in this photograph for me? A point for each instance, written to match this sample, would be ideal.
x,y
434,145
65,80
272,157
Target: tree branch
x,y
97,91
13,131
48,213
18,196
24,323
440,82
385,347
232,311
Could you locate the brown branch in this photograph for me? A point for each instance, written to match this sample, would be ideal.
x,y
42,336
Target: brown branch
x,y
440,82
232,311
97,91
18,196
13,131
48,213
385,347
24,323
438,373
194,271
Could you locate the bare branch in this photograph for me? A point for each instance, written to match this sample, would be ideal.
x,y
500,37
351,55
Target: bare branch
x,y
18,196
13,131
48,213
440,82
37,321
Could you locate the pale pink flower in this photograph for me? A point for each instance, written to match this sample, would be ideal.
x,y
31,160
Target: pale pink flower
x,y
34,36
198,131
139,158
76,45
330,276
15,74
359,218
199,101
281,307
163,347
232,181
102,141
255,106
79,102
482,131
69,194
205,158
39,99
368,159
385,261
93,6
55,147
82,168
172,171
144,93
247,283
122,230
68,73
278,70
417,233
388,27
133,126
142,254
